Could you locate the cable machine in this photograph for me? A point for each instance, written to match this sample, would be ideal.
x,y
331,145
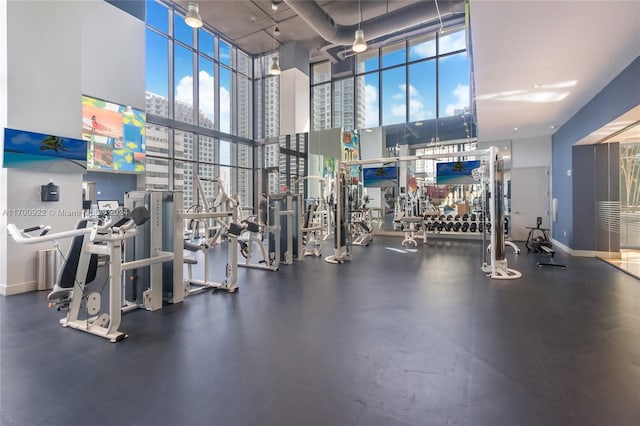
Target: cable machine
x,y
496,266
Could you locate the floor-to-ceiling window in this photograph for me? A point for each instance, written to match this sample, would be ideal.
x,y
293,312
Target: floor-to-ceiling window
x,y
619,222
422,78
199,108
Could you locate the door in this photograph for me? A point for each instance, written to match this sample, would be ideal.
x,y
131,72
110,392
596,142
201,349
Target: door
x,y
529,200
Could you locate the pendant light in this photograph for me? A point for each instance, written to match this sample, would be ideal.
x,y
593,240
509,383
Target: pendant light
x,y
274,68
359,44
192,18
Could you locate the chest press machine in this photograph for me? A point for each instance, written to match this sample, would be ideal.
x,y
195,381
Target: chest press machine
x,y
90,239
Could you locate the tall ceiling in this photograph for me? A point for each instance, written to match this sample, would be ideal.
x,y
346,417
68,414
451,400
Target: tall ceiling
x,y
249,23
536,62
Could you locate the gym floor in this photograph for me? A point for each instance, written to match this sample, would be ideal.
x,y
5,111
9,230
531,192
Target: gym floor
x,y
391,338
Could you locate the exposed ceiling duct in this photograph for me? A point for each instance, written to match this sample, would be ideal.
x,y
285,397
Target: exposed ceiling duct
x,y
400,19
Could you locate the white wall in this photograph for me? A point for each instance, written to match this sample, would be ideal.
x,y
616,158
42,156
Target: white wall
x,y
534,152
3,124
294,102
56,52
113,54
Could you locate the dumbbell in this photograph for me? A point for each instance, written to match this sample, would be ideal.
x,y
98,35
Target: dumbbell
x,y
465,217
457,226
465,227
441,226
473,227
473,217
448,226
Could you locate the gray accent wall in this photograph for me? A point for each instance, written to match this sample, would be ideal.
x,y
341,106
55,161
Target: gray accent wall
x,y
618,97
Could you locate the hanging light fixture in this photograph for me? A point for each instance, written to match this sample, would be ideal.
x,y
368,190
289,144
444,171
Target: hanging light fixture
x,y
439,17
274,68
192,18
359,44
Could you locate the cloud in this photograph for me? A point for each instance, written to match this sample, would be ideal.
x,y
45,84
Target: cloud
x,y
184,90
184,94
452,42
426,49
206,95
461,99
416,104
371,106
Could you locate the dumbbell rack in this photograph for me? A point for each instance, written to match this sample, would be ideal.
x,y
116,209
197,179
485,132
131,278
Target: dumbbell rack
x,y
466,225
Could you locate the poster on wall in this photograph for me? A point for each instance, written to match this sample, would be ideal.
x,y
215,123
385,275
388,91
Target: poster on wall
x,y
351,150
328,167
115,136
457,172
43,152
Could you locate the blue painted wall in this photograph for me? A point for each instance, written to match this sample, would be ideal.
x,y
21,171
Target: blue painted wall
x,y
618,97
111,186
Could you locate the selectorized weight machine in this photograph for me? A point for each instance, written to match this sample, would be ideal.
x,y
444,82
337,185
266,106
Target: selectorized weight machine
x,y
91,239
496,266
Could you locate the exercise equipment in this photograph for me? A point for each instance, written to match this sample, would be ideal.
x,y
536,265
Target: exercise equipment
x,y
538,241
149,287
413,230
219,224
252,236
361,227
312,230
91,240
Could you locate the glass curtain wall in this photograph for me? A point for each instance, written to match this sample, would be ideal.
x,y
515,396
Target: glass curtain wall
x,y
618,222
199,108
423,78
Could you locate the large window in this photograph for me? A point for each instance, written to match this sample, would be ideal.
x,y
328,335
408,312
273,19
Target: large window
x,y
198,117
423,78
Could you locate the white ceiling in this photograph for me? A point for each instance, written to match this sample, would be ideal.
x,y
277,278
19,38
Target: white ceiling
x,y
572,49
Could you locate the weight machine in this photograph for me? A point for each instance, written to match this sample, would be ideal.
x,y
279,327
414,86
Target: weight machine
x,y
251,236
220,222
496,266
91,239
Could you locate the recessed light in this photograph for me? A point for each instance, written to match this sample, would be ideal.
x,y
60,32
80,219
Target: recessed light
x,y
368,130
418,123
515,129
554,126
535,86
505,148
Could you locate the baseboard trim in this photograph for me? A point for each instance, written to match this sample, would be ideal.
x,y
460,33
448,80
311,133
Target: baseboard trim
x,y
10,290
572,252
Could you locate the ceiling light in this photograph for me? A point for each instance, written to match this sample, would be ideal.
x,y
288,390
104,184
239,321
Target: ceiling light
x,y
418,123
554,126
535,86
274,6
274,69
192,18
359,44
515,129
